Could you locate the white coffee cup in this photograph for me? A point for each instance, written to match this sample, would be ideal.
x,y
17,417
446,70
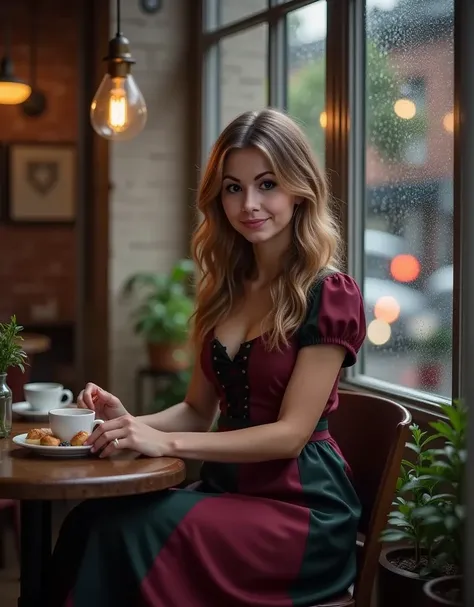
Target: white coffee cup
x,y
66,423
44,396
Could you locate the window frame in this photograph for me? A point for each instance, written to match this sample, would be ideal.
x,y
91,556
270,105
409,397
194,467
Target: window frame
x,y
345,133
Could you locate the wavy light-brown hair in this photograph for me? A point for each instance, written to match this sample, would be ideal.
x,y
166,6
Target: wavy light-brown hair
x,y
225,259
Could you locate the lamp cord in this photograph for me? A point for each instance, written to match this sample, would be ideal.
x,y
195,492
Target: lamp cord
x,y
118,18
6,33
34,40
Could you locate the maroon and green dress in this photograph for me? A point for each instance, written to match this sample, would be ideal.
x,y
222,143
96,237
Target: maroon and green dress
x,y
272,534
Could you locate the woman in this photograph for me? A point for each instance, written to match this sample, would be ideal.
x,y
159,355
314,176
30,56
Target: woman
x,y
273,523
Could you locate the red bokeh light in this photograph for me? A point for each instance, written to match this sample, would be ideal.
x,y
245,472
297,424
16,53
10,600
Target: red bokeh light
x,y
405,268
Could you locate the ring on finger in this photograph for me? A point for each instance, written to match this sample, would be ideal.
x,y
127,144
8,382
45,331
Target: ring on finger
x,y
115,443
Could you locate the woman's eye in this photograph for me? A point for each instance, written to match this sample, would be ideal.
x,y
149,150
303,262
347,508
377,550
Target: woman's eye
x,y
267,185
233,188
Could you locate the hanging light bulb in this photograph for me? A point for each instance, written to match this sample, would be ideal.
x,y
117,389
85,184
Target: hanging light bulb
x,y
118,110
12,90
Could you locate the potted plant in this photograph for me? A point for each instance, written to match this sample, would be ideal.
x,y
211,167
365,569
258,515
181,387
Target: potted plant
x,y
446,511
428,519
173,390
405,567
163,314
11,355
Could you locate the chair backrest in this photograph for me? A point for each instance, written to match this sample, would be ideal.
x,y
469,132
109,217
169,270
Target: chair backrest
x,y
371,432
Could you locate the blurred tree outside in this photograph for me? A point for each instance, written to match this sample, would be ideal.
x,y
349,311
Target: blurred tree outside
x,y
386,131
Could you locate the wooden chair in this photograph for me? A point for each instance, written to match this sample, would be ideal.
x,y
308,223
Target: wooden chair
x,y
371,432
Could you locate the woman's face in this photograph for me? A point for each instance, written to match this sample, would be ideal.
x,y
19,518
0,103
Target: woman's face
x,y
254,203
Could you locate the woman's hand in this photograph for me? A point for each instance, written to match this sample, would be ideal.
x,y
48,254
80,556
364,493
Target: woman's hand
x,y
126,432
106,405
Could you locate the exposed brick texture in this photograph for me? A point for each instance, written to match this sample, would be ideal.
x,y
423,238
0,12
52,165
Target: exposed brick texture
x,y
38,263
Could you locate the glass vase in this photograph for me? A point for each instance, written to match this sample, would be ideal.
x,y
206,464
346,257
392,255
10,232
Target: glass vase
x,y
5,407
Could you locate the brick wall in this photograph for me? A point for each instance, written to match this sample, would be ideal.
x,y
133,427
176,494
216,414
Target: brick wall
x,y
148,206
38,263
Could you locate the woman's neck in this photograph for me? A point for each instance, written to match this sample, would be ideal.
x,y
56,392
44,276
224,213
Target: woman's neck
x,y
269,257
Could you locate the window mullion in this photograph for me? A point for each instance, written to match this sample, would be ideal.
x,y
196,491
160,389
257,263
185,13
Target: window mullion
x,y
277,62
338,106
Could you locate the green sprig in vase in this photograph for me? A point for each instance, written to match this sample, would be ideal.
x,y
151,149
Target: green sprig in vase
x,y
11,355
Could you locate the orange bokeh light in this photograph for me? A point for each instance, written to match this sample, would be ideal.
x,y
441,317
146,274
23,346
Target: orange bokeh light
x,y
387,309
405,268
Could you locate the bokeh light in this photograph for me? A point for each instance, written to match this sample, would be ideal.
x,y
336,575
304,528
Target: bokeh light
x,y
387,309
323,120
379,332
405,108
448,122
405,268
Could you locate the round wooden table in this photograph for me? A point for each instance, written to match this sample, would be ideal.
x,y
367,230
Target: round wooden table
x,y
36,481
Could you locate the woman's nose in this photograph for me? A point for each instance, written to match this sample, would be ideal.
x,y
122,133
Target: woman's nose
x,y
251,201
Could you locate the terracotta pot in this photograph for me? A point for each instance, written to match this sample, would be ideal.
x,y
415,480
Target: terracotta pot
x,y
398,587
169,357
436,589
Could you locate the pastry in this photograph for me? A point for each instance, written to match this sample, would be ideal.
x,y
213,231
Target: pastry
x,y
79,439
49,441
35,435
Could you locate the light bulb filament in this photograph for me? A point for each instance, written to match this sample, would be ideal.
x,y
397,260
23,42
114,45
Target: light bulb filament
x,y
118,110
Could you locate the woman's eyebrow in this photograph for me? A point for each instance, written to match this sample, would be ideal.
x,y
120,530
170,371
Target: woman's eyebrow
x,y
259,176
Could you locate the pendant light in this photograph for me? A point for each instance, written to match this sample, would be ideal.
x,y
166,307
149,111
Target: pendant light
x,y
35,105
118,110
12,90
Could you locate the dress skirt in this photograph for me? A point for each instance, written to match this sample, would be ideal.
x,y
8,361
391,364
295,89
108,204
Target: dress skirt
x,y
272,534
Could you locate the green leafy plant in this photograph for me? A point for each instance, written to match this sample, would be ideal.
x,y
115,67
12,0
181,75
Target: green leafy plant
x,y
166,303
413,491
445,513
11,351
430,513
173,390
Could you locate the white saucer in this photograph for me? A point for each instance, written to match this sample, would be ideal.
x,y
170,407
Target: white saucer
x,y
24,409
52,451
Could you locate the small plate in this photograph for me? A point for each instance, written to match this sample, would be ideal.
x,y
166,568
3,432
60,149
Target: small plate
x,y
20,440
24,410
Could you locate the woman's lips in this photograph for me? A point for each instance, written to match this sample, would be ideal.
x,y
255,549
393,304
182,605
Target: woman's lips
x,y
254,224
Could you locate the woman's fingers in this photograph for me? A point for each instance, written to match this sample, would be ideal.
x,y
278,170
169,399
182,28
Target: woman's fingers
x,y
112,447
89,395
103,429
106,438
80,400
120,441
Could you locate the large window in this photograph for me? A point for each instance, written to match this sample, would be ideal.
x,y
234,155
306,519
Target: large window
x,y
408,216
373,88
306,71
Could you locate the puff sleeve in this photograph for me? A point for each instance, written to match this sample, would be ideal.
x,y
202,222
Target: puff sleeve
x,y
335,316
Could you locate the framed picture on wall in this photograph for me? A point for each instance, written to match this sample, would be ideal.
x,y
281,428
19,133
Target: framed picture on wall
x,y
41,182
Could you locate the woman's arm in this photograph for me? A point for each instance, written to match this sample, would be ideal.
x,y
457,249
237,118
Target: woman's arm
x,y
317,369
195,414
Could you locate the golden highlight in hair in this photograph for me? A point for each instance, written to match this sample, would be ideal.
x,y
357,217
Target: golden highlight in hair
x,y
225,259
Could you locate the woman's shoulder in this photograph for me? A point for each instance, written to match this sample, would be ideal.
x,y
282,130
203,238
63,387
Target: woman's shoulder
x,y
335,281
335,313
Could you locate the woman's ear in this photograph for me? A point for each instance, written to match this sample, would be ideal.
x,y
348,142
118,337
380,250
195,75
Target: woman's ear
x,y
298,200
